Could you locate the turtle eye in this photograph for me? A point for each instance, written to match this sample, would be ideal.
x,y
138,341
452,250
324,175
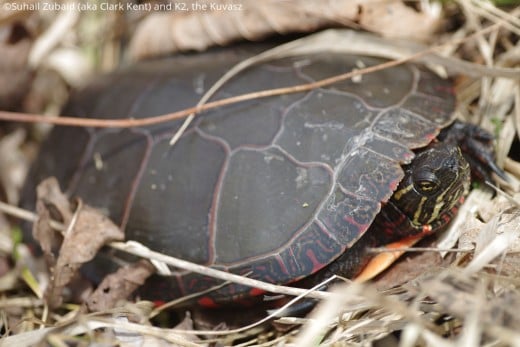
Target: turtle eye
x,y
426,182
426,186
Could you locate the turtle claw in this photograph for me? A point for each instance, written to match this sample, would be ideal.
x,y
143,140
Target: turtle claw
x,y
476,145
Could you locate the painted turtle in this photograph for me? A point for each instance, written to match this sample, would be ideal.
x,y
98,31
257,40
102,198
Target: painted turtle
x,y
278,188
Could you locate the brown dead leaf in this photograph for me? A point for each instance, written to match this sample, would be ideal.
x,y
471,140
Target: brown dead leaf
x,y
460,296
207,23
15,75
470,230
394,19
119,285
51,204
90,230
508,266
187,324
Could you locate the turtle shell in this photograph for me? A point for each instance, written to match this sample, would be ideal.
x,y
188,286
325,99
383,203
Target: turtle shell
x,y
276,188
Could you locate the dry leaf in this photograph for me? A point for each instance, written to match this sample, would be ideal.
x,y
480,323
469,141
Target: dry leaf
x,y
15,75
187,325
459,295
167,32
119,285
89,232
394,19
509,266
206,24
51,204
493,207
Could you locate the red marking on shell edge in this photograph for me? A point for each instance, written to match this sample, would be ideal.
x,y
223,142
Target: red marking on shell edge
x,y
207,302
431,137
256,292
316,265
449,89
158,303
394,184
354,222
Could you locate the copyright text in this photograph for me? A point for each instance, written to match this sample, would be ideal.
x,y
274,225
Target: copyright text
x,y
177,6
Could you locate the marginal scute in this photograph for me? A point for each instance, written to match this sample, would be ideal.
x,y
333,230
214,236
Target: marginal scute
x,y
390,149
367,174
195,283
430,84
310,251
347,216
408,128
437,110
271,269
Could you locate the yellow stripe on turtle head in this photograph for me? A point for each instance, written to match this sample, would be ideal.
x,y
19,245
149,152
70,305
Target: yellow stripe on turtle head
x,y
399,193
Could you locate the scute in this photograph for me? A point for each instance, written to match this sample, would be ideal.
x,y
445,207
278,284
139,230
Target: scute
x,y
435,106
246,118
405,127
311,250
174,196
369,175
265,220
108,165
349,213
320,126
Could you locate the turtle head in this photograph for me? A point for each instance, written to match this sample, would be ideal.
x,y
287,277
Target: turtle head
x,y
433,184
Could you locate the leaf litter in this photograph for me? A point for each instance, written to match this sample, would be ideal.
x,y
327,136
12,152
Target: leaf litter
x,y
173,31
87,231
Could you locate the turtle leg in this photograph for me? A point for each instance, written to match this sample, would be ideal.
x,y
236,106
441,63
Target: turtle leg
x,y
383,260
359,262
476,145
393,249
348,264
